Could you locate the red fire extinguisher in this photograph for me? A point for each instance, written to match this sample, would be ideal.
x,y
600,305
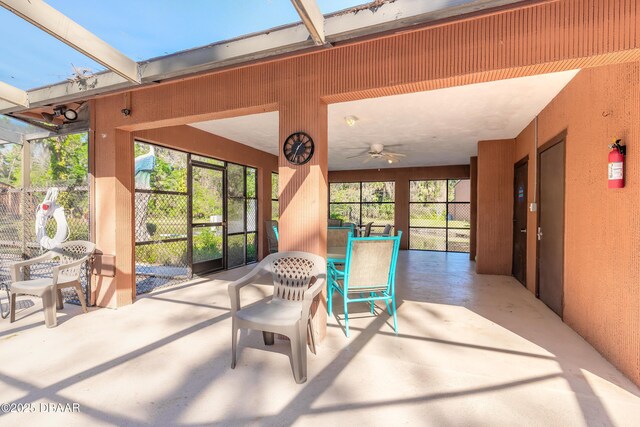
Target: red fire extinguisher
x,y
616,164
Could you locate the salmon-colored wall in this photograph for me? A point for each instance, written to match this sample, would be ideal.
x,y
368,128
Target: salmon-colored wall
x,y
602,226
196,141
495,206
401,177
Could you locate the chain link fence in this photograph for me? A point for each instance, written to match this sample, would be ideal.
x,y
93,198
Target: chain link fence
x,y
162,256
18,235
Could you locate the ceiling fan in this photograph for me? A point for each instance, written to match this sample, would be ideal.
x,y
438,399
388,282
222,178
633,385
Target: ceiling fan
x,y
377,151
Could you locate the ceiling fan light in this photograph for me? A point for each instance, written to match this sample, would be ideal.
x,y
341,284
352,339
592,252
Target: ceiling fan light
x,y
390,161
350,120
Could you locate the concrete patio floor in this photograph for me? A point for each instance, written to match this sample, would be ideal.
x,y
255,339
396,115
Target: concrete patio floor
x,y
472,350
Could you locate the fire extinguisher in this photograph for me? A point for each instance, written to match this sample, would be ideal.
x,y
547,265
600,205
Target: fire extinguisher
x,y
616,164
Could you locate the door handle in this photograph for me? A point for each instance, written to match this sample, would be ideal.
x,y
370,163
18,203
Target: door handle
x,y
523,230
539,233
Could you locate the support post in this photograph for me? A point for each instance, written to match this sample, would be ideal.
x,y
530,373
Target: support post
x,y
304,189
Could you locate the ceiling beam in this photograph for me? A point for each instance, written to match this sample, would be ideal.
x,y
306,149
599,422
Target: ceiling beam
x,y
13,95
71,33
339,27
312,18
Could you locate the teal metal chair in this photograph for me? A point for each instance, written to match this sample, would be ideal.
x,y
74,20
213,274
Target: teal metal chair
x,y
271,228
369,275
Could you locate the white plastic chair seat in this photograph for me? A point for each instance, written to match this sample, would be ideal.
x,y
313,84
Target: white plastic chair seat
x,y
272,313
71,257
298,278
36,287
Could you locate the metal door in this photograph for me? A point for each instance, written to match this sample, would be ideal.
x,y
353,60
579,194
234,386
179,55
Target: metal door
x,y
519,262
208,217
551,226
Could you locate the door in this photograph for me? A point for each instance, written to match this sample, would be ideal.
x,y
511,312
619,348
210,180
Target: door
x,y
551,226
208,225
519,264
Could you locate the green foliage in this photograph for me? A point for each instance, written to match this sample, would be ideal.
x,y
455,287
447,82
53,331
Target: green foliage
x,y
11,164
162,254
60,161
428,191
377,202
207,245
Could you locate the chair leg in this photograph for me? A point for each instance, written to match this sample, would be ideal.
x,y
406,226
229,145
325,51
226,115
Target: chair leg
x,y
373,304
395,318
49,304
312,335
330,298
302,342
296,358
234,343
59,299
268,338
346,315
388,306
81,297
12,307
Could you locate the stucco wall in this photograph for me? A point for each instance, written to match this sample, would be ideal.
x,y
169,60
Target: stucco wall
x,y
602,226
495,206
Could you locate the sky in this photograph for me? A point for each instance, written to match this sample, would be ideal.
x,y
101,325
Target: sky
x,y
141,29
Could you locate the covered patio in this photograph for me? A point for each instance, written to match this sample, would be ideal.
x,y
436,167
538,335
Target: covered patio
x,y
472,349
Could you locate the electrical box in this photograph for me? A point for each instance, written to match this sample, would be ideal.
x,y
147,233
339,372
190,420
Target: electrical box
x,y
533,207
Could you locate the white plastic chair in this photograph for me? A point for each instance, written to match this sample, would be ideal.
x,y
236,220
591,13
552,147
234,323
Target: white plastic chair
x,y
71,256
298,277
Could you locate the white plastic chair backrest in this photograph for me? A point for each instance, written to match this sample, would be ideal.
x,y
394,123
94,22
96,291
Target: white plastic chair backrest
x,y
292,273
387,229
72,251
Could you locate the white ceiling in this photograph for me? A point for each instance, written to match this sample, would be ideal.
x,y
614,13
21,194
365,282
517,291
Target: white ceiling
x,y
438,127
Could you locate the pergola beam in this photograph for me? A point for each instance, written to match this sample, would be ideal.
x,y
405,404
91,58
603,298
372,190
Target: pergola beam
x,y
71,33
312,18
9,137
13,95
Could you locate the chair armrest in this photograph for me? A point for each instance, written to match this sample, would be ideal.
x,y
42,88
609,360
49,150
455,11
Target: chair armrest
x,y
16,268
334,270
234,287
61,267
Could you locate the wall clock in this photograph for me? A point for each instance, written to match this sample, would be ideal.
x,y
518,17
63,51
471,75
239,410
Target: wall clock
x,y
298,148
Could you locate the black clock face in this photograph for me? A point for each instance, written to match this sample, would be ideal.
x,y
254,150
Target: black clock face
x,y
298,148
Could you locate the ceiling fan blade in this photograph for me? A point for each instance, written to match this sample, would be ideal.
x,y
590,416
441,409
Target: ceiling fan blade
x,y
394,154
359,155
367,160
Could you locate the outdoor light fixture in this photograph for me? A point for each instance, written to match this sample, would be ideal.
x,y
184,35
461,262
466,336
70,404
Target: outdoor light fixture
x,y
61,110
70,114
350,120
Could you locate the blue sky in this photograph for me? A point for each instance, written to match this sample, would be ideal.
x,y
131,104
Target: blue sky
x,y
141,29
